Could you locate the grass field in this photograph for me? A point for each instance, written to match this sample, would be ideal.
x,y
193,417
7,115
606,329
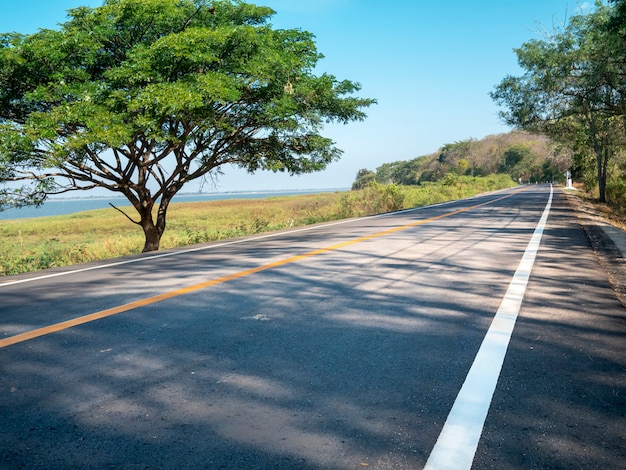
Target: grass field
x,y
32,244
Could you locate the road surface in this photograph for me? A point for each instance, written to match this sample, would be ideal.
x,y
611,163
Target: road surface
x,y
368,343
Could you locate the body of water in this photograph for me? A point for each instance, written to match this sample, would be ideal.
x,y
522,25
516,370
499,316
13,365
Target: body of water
x,y
58,206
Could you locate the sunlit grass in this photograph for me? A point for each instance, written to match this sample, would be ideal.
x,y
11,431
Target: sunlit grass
x,y
46,242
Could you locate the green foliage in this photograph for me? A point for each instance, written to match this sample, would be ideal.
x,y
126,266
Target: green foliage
x,y
401,172
450,179
374,198
515,155
452,153
125,90
530,157
522,164
573,88
616,192
616,186
458,187
463,166
364,177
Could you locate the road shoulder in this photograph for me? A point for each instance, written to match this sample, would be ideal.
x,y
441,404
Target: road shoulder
x,y
608,242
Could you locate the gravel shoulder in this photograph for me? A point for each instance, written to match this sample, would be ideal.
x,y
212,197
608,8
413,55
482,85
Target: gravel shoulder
x,y
608,240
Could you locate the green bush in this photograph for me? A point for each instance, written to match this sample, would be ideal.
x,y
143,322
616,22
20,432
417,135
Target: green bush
x,y
616,193
375,198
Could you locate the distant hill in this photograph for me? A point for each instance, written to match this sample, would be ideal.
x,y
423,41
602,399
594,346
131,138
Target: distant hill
x,y
526,157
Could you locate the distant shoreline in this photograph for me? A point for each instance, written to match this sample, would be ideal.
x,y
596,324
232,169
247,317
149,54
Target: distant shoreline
x,y
64,206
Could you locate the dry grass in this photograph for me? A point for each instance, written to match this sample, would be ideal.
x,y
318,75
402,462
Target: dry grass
x,y
46,242
613,212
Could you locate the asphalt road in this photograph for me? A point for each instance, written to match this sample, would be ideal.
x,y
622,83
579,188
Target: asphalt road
x,y
337,346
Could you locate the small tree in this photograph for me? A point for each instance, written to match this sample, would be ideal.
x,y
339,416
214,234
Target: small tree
x,y
142,96
364,177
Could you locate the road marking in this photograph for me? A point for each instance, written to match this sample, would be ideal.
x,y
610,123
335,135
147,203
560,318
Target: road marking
x,y
458,441
20,338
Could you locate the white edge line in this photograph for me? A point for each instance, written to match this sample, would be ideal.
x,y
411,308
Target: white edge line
x,y
215,245
456,446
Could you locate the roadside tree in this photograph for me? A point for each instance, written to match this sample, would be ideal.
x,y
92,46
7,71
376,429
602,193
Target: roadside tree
x,y
572,89
364,178
140,97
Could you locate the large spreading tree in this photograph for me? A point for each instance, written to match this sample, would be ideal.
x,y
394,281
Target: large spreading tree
x,y
573,87
142,96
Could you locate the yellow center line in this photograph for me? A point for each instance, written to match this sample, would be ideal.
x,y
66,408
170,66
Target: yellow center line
x,y
20,338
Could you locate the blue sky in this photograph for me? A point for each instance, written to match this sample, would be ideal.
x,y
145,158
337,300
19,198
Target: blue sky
x,y
430,65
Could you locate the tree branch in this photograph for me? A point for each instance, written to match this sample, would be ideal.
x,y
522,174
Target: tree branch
x,y
125,214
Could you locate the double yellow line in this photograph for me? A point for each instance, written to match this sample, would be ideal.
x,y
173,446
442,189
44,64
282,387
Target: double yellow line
x,y
20,338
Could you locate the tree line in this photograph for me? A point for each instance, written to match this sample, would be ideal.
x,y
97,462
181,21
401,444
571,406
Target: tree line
x,y
526,157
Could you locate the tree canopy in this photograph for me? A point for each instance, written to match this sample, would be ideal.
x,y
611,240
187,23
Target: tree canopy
x,y
573,87
142,96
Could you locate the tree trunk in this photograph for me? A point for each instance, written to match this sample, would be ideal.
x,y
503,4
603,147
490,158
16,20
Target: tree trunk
x,y
600,145
601,183
154,231
602,156
603,163
151,231
152,236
